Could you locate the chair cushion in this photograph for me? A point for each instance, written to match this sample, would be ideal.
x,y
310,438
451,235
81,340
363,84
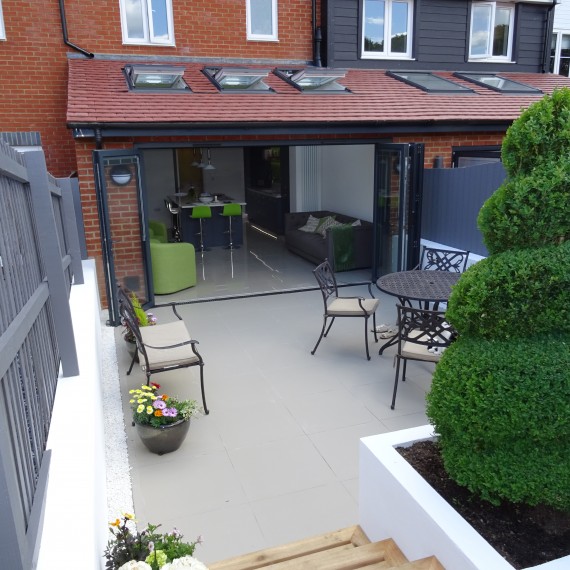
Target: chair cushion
x,y
342,306
164,335
419,351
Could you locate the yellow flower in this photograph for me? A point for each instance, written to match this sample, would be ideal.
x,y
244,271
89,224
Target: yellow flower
x,y
146,388
129,516
141,400
131,401
131,391
149,410
116,523
140,409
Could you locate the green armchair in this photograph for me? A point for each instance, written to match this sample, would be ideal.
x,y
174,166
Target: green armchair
x,y
173,266
157,231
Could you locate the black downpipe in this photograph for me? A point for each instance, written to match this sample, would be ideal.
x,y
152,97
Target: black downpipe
x,y
317,38
65,36
548,36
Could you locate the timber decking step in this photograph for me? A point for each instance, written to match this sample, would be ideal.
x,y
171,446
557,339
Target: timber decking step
x,y
345,549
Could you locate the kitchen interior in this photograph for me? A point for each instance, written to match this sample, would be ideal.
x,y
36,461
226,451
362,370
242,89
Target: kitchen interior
x,y
268,180
255,177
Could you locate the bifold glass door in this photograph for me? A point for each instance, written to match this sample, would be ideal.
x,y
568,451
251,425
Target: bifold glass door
x,y
397,207
123,226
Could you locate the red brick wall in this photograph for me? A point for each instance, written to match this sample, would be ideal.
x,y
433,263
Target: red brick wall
x,y
202,28
33,59
441,144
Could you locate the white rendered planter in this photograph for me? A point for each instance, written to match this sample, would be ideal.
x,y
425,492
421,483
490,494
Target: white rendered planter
x,y
395,501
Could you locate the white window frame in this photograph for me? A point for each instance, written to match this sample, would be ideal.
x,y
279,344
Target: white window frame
x,y
272,37
2,28
387,54
488,56
149,38
558,49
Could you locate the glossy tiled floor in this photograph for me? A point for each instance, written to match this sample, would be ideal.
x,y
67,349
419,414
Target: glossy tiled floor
x,y
276,460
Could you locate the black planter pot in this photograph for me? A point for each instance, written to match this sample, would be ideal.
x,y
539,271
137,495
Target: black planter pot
x,y
132,349
163,439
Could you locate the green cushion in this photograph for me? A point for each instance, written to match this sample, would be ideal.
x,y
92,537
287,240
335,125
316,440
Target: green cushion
x,y
157,230
326,223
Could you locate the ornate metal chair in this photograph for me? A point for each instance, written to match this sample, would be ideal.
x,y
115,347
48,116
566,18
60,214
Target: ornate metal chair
x,y
161,347
335,306
443,260
422,335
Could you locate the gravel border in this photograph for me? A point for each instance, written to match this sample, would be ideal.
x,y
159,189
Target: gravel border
x,y
119,487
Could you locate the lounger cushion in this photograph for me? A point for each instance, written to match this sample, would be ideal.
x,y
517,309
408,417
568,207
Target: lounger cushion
x,y
165,335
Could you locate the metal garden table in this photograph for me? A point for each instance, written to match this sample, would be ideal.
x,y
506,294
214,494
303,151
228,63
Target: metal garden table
x,y
417,285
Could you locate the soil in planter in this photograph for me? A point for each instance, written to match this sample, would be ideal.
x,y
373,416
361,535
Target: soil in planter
x,y
524,536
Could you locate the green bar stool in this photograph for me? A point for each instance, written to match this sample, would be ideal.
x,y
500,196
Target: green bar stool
x,y
199,213
229,211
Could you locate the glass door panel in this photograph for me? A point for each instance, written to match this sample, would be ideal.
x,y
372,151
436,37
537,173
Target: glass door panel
x,y
123,227
397,207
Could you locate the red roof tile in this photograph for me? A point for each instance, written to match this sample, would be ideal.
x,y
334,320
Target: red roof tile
x,y
98,94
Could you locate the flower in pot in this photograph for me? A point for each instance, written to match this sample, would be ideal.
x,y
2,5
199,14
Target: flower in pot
x,y
144,318
162,421
129,549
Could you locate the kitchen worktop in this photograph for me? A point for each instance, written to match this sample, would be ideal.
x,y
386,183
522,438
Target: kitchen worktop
x,y
184,202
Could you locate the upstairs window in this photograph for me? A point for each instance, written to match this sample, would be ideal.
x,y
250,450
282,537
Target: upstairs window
x,y
147,22
491,35
2,29
261,20
560,54
387,28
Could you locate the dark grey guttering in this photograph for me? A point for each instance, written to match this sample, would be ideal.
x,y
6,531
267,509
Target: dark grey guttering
x,y
548,36
317,37
65,36
86,131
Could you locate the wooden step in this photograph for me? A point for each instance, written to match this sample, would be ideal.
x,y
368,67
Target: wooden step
x,y
429,563
344,549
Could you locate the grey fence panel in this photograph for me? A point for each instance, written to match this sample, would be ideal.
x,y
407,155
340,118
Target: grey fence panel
x,y
451,202
37,266
74,185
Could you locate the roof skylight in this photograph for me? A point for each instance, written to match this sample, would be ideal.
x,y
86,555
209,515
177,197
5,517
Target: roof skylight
x,y
238,79
315,79
498,83
429,82
155,77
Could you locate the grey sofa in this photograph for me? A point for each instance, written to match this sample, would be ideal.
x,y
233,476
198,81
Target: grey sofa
x,y
315,248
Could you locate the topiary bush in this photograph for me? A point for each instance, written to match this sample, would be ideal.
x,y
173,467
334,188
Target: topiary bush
x,y
501,407
507,295
541,132
527,211
500,397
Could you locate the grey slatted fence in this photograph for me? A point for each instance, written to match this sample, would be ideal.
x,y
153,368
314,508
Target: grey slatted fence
x,y
39,260
452,198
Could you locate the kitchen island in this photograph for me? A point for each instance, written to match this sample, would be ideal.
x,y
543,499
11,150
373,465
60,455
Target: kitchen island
x,y
215,228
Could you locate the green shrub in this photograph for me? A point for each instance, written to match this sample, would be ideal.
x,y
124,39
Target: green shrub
x,y
541,133
529,211
502,412
513,294
500,397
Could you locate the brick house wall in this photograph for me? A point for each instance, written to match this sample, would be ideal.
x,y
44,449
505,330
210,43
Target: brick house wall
x,y
34,55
